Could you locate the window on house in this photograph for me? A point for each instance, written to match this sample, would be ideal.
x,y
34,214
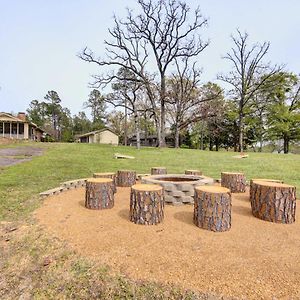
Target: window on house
x,y
21,128
14,128
7,128
1,127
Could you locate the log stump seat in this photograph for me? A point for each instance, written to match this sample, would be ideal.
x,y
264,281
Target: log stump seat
x,y
99,193
193,172
110,175
212,208
146,204
126,178
158,171
273,201
236,182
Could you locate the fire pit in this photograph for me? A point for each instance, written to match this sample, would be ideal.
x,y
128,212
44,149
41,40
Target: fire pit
x,y
179,188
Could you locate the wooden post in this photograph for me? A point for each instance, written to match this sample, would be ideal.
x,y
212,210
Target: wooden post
x,y
126,178
110,175
158,171
99,193
236,182
273,202
193,172
146,204
212,208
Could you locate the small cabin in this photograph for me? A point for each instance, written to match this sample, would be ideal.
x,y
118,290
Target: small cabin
x,y
102,136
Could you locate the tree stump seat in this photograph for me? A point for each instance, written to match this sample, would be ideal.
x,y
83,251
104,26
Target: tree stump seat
x,y
235,182
146,204
158,171
212,208
193,172
126,178
273,201
99,193
110,175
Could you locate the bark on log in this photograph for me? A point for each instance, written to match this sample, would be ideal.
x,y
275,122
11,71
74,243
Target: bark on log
x,y
99,193
236,182
212,208
126,178
146,204
193,172
110,175
262,179
273,202
158,171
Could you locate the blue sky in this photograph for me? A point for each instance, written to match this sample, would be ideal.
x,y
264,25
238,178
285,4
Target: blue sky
x,y
40,40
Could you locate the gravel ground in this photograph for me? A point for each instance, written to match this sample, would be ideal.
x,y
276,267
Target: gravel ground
x,y
254,260
11,156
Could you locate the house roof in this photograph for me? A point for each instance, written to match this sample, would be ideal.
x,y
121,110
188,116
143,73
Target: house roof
x,y
96,131
9,117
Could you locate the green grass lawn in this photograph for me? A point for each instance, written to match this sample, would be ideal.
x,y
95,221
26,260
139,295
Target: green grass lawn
x,y
20,184
25,246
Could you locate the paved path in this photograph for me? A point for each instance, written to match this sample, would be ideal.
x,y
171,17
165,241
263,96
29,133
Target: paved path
x,y
12,156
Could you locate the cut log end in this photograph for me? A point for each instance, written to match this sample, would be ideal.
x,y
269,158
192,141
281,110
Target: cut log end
x,y
212,189
99,180
193,172
100,175
146,187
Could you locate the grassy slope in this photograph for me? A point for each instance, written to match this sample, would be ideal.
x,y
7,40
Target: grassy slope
x,y
20,184
25,250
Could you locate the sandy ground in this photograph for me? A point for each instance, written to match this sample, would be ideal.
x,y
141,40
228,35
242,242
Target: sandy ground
x,y
11,156
254,260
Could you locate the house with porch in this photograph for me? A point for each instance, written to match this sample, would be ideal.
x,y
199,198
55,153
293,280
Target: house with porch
x,y
18,127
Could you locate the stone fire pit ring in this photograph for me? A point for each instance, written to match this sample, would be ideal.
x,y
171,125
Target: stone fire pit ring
x,y
179,188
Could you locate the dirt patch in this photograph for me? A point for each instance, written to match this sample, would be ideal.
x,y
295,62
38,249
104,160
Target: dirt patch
x,y
12,156
255,259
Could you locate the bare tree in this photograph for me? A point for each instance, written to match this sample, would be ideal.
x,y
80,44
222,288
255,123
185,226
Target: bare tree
x,y
128,94
160,33
249,74
186,96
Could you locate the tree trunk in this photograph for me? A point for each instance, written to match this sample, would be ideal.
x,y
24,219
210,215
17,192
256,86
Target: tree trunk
x,y
158,171
157,123
212,208
211,144
125,124
241,132
110,175
162,142
273,202
146,204
201,139
285,144
217,143
137,129
99,193
126,178
176,136
236,182
193,172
